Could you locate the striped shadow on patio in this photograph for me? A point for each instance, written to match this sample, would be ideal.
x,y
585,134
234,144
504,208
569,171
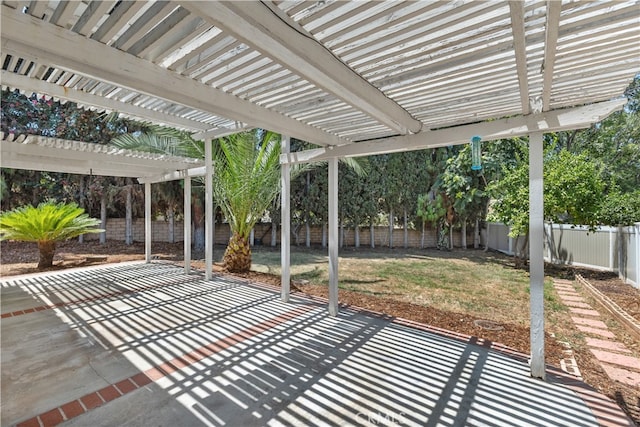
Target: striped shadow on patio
x,y
145,344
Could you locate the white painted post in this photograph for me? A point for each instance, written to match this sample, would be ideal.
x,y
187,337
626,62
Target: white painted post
x,y
536,254
285,229
147,222
333,237
187,225
208,203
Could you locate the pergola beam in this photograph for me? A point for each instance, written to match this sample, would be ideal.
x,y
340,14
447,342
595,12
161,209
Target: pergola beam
x,y
37,157
70,51
220,132
552,121
274,34
175,175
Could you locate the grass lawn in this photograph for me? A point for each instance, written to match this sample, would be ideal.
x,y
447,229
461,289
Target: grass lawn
x,y
482,284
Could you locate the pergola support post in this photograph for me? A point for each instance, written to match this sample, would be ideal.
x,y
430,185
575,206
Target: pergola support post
x,y
285,207
208,203
536,253
333,236
147,222
187,225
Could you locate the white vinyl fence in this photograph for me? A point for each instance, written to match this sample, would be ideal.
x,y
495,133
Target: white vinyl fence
x,y
614,249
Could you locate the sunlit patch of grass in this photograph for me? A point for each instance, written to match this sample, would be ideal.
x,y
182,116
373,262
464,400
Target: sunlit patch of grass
x,y
481,284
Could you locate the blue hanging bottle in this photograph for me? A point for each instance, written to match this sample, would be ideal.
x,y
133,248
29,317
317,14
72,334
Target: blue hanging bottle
x,y
476,153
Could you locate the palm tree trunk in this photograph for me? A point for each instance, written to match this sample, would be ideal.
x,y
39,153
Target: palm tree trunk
x,y
237,256
47,248
197,218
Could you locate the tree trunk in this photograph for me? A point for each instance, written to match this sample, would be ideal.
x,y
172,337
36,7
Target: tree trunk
x,y
324,235
307,235
464,233
35,195
406,229
128,233
237,256
356,236
274,234
422,235
341,238
520,258
372,235
486,243
82,203
451,237
476,234
47,249
171,216
103,217
391,228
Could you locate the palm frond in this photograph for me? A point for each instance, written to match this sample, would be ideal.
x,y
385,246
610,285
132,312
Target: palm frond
x,y
162,144
46,222
247,174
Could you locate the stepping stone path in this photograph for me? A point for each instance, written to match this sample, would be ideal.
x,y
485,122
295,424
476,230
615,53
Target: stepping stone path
x,y
614,357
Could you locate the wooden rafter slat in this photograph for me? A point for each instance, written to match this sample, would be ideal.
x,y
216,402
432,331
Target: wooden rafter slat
x,y
520,47
554,10
175,21
118,18
96,10
181,34
138,28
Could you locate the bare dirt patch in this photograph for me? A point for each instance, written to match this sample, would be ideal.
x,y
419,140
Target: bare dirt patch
x,y
21,258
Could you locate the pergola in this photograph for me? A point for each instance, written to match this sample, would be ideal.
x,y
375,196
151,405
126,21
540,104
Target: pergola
x,y
355,78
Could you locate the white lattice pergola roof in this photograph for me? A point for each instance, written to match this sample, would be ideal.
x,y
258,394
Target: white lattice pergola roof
x,y
327,72
354,77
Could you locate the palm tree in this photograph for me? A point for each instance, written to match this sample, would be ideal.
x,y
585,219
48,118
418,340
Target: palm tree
x,y
246,182
247,176
46,224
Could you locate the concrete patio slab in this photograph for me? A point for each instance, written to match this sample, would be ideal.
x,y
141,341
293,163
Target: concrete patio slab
x,y
144,344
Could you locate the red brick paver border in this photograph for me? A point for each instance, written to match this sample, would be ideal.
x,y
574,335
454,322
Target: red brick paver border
x,y
113,391
619,367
